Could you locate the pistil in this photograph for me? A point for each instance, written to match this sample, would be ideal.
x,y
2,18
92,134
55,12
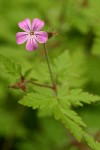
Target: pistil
x,y
31,33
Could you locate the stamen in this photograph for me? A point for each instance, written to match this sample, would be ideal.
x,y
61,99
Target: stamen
x,y
31,33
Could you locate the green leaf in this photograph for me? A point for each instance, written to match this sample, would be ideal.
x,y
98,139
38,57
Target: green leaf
x,y
78,97
62,64
91,142
10,66
45,100
73,127
27,72
71,120
67,69
39,99
74,117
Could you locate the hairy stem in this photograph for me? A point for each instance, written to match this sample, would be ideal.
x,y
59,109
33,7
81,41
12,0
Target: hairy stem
x,y
41,85
50,70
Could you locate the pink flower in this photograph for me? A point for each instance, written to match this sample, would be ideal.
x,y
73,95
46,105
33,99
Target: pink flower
x,y
31,33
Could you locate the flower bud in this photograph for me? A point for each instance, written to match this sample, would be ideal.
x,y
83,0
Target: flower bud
x,y
51,34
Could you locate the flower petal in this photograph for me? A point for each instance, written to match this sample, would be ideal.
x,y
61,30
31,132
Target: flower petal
x,y
21,37
25,25
37,24
31,44
41,36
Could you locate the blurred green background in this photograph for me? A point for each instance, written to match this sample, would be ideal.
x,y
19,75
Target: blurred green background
x,y
77,23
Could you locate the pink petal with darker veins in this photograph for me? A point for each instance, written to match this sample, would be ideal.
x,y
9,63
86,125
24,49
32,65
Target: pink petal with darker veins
x,y
41,36
37,24
31,44
25,25
21,37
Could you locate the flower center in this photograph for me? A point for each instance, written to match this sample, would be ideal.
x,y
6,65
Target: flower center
x,y
31,33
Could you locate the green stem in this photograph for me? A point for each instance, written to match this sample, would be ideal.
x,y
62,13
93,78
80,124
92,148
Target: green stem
x,y
50,70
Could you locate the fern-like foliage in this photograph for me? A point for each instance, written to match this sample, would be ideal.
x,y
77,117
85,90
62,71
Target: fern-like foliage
x,y
10,66
77,97
60,107
94,145
60,104
68,71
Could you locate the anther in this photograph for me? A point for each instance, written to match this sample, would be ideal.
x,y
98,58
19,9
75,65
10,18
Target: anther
x,y
31,33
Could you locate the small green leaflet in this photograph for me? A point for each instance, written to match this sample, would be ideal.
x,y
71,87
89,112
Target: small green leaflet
x,y
78,97
10,66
